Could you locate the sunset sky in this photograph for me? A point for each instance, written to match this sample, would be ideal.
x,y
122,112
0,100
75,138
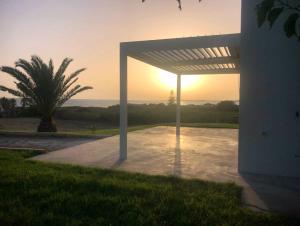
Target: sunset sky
x,y
89,31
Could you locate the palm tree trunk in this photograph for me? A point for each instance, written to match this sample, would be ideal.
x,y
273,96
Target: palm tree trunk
x,y
47,125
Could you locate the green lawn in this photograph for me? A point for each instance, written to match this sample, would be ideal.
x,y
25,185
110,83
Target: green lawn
x,y
78,133
35,193
115,131
79,128
209,125
140,127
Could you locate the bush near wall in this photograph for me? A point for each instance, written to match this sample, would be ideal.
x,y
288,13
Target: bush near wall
x,y
224,112
151,113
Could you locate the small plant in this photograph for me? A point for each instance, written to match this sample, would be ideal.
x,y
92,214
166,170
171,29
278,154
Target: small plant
x,y
93,129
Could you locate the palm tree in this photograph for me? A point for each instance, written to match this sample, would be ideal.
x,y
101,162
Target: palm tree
x,y
41,87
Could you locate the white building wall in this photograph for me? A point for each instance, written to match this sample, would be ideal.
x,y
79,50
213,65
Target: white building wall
x,y
269,139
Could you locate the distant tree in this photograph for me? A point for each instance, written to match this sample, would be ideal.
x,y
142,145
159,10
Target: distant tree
x,y
41,87
171,100
12,107
270,10
4,106
8,107
227,105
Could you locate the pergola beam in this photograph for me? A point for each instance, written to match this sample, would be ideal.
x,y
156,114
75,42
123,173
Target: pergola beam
x,y
123,104
178,103
215,60
183,43
209,72
205,61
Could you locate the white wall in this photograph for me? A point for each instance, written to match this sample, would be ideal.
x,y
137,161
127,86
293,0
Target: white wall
x,y
269,98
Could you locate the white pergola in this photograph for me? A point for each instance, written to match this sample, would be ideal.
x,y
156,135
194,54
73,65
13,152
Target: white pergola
x,y
218,54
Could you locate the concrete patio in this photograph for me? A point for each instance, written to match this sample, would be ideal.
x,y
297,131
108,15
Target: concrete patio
x,y
208,154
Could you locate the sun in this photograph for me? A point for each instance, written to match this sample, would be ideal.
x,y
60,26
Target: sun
x,y
170,80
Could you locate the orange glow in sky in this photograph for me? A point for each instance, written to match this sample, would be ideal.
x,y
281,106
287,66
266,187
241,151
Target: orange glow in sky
x,y
170,80
90,33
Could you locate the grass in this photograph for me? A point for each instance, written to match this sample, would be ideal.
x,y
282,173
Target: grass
x,y
115,131
75,134
65,126
208,125
72,128
35,193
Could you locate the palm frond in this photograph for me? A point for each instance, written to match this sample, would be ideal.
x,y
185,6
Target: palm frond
x,y
81,89
61,70
12,91
71,79
25,65
73,75
50,66
27,92
17,74
77,89
66,87
36,62
30,70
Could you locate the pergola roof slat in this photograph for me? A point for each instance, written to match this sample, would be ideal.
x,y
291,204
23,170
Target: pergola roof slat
x,y
173,54
227,51
198,53
216,52
210,52
164,58
185,54
182,56
195,56
222,51
168,55
154,57
205,53
179,56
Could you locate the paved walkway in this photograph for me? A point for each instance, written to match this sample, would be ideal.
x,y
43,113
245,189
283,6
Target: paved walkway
x,y
208,154
46,143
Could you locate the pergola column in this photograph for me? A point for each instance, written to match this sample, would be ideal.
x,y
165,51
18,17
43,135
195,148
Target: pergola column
x,y
123,104
178,99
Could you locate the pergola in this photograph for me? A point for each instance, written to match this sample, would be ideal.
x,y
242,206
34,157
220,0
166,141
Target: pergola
x,y
218,54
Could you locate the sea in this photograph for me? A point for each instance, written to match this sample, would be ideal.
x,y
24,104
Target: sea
x,y
107,103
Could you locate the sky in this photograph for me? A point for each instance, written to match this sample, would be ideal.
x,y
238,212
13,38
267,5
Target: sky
x,y
89,31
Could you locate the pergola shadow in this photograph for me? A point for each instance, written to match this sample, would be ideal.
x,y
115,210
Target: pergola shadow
x,y
177,158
